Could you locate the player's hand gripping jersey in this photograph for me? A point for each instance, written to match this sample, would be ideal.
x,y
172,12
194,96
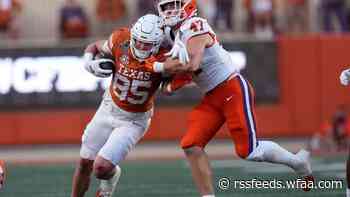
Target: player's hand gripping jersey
x,y
133,84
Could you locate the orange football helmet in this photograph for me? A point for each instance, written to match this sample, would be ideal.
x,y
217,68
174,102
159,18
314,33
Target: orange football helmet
x,y
175,11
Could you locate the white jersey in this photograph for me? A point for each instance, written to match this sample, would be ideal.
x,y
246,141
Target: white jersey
x,y
216,65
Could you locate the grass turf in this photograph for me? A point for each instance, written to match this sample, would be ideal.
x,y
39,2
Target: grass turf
x,y
170,179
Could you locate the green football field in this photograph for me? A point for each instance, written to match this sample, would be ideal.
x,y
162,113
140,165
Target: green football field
x,y
171,178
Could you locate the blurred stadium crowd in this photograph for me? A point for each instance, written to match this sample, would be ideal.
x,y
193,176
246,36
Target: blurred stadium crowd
x,y
334,134
66,19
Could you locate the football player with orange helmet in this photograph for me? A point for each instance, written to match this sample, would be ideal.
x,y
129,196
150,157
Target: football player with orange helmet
x,y
229,97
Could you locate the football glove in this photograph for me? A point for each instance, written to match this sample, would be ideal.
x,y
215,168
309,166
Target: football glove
x,y
345,77
179,51
100,68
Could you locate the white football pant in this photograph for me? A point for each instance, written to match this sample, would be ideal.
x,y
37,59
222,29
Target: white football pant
x,y
113,132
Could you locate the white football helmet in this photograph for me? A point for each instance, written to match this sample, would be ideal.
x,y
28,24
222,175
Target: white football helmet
x,y
175,11
146,36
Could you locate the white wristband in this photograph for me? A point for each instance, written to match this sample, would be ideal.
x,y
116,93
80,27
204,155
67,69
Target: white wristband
x,y
88,56
158,67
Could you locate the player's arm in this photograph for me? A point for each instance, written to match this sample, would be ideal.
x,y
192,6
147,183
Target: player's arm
x,y
189,45
95,47
195,49
101,47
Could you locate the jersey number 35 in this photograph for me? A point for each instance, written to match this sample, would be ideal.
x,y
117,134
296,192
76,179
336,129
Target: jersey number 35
x,y
131,90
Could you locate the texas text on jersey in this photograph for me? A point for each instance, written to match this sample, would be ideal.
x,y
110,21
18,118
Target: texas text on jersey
x,y
133,85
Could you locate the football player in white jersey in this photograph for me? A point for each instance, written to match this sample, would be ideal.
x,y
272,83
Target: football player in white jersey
x,y
345,80
228,98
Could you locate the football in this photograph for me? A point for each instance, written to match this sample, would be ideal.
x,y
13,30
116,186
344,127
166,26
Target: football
x,y
105,65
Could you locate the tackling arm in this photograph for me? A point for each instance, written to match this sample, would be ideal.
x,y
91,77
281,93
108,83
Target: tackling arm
x,y
96,47
195,49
